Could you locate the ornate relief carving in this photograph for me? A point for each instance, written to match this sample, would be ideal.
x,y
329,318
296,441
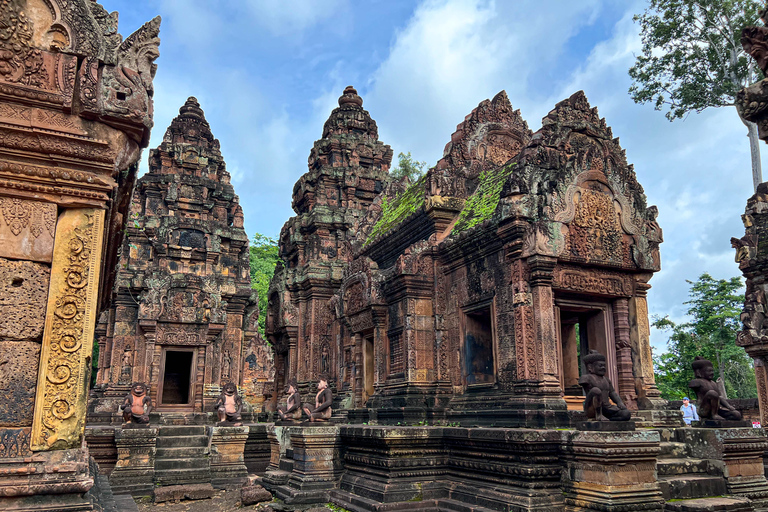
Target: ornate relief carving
x,y
595,233
67,340
15,442
181,338
600,282
27,229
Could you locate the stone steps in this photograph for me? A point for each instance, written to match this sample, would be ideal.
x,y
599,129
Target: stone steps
x,y
182,441
183,463
182,452
673,450
667,467
718,504
460,506
681,487
182,476
125,503
181,430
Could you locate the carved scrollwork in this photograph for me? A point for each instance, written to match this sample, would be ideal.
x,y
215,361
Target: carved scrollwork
x,y
70,320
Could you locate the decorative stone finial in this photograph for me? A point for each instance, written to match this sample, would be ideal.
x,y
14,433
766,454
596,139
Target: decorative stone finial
x,y
350,97
191,108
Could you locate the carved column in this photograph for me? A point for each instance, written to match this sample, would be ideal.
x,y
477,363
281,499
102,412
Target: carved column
x,y
761,376
60,404
649,396
541,268
626,384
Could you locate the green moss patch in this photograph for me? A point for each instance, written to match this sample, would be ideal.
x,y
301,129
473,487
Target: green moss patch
x,y
396,211
481,205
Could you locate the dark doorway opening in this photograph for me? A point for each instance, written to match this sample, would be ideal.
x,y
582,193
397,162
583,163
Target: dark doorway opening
x,y
478,347
176,377
367,368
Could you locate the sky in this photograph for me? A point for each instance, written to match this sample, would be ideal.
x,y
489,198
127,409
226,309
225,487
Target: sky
x,y
268,73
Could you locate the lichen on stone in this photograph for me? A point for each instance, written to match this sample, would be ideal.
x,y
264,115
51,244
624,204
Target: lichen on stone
x,y
481,205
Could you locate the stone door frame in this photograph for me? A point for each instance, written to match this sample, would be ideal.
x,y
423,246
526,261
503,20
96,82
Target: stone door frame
x,y
190,405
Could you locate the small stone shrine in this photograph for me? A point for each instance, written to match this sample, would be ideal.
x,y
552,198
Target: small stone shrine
x,y
75,113
459,296
182,310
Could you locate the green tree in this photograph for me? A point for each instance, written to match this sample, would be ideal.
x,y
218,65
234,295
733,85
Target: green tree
x,y
714,308
264,257
692,59
407,166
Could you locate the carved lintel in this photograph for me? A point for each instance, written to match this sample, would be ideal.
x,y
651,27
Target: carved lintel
x,y
598,282
70,321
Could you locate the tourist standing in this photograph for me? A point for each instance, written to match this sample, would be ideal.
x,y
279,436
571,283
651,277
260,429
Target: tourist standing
x,y
689,411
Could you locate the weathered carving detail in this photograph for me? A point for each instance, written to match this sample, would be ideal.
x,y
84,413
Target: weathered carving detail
x,y
598,282
70,321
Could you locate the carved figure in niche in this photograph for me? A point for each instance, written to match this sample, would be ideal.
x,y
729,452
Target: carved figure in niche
x,y
229,405
137,405
292,409
227,360
125,372
711,404
325,357
322,410
600,392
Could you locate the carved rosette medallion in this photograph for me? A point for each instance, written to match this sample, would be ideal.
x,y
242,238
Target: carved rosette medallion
x,y
60,404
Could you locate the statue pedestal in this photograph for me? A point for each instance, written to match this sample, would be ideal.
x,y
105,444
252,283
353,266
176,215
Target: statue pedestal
x,y
612,471
316,465
741,451
134,471
721,424
227,456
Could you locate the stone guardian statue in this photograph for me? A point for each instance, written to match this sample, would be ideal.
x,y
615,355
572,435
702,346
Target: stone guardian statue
x,y
229,406
137,405
711,405
599,392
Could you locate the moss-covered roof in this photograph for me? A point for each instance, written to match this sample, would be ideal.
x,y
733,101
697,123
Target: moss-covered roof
x,y
397,210
481,205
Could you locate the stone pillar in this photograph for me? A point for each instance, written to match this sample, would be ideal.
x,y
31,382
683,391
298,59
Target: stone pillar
x,y
60,405
543,304
761,377
622,337
227,456
316,465
134,471
280,445
649,396
611,471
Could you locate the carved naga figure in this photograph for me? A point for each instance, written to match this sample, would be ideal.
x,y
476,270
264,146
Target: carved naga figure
x,y
599,391
229,405
137,405
711,404
322,410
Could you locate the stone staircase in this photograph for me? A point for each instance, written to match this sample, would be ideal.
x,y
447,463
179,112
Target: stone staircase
x,y
183,455
692,485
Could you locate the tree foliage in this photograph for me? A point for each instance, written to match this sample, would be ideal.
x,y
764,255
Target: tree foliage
x,y
692,57
714,308
264,257
407,166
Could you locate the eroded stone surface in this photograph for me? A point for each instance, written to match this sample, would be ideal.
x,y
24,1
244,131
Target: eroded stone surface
x,y
19,362
23,295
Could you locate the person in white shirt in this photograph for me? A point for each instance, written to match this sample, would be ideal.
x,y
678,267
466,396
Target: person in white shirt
x,y
689,411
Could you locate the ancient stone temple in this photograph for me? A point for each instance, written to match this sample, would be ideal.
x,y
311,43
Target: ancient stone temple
x,y
348,167
182,315
461,296
75,111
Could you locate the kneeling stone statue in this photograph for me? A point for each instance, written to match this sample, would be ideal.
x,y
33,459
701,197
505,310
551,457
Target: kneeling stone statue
x,y
600,392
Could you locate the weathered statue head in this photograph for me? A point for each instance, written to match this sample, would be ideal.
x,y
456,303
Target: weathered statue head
x,y
322,382
138,389
292,386
703,369
230,388
595,363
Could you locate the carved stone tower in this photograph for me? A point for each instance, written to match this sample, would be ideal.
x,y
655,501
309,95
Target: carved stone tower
x,y
348,167
181,304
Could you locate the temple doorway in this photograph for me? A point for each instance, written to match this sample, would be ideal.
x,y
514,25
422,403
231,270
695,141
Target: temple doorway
x,y
367,368
478,347
176,385
582,326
